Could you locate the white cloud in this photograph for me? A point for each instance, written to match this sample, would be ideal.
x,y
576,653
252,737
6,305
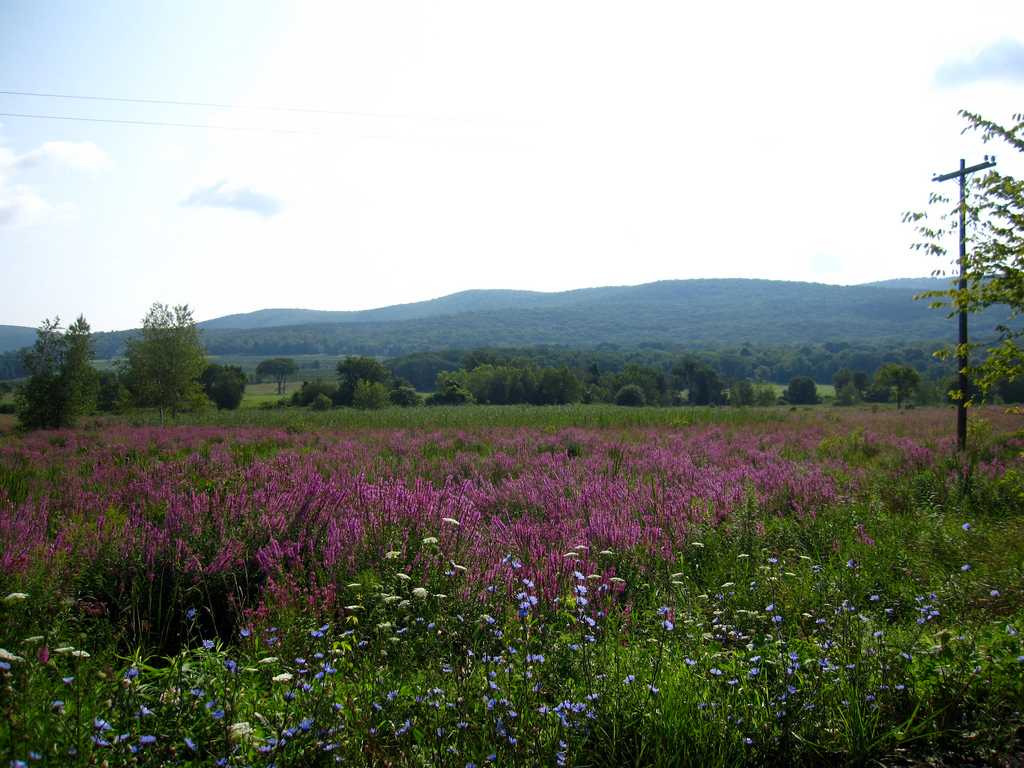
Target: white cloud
x,y
239,198
22,205
79,155
1000,61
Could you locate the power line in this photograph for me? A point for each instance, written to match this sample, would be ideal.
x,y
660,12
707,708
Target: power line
x,y
209,104
151,123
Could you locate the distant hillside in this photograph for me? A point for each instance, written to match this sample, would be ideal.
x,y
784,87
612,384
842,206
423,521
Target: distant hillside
x,y
671,313
456,303
688,313
15,337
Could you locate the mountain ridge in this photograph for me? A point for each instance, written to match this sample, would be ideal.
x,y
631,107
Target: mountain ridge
x,y
695,313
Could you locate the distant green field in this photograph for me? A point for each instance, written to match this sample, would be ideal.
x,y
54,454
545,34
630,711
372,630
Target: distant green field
x,y
310,366
825,391
480,416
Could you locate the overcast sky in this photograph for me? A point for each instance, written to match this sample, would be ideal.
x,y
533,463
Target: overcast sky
x,y
538,145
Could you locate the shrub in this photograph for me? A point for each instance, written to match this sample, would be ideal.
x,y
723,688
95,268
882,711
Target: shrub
x,y
369,395
321,402
630,395
404,396
801,391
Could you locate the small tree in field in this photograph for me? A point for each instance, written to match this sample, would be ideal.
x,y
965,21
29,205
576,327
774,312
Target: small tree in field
x,y
279,369
224,385
630,395
370,395
163,366
62,385
901,378
801,391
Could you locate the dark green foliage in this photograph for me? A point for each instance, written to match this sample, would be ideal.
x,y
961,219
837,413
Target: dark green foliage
x,y
404,396
902,379
112,395
370,395
353,370
450,391
510,384
742,393
801,391
163,365
280,369
630,395
848,394
1011,390
224,385
321,402
421,368
311,390
62,385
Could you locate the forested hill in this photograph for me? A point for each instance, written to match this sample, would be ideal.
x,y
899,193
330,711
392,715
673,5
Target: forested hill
x,y
680,313
15,337
695,313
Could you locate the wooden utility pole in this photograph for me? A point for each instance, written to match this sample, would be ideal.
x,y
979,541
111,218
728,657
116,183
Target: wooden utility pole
x,y
962,361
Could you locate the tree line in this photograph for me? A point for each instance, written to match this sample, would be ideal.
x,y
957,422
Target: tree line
x,y
164,367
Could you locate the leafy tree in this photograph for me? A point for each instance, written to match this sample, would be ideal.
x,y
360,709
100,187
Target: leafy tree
x,y
841,378
450,391
994,267
310,390
62,383
163,365
901,378
321,402
40,402
741,393
848,394
630,395
224,385
79,380
404,396
370,395
280,369
764,395
801,391
352,370
112,393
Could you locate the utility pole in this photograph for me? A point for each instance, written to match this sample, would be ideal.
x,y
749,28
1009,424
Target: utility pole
x,y
962,362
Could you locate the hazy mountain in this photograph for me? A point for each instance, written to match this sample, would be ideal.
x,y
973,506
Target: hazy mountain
x,y
15,337
676,313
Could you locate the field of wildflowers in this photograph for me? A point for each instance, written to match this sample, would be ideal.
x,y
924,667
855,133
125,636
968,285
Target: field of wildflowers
x,y
789,591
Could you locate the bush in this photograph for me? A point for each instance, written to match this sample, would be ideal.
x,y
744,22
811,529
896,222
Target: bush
x,y
802,391
450,392
404,396
224,385
630,395
848,394
369,395
310,389
321,402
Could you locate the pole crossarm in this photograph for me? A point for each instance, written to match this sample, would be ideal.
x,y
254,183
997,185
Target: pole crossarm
x,y
965,171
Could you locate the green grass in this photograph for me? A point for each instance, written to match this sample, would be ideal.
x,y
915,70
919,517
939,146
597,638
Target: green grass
x,y
473,416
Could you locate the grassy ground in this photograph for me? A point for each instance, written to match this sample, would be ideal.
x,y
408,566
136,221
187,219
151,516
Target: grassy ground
x,y
824,586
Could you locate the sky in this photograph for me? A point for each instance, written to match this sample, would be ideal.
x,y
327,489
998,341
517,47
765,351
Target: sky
x,y
447,146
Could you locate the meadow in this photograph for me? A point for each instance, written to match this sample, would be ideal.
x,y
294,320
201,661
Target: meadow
x,y
578,586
